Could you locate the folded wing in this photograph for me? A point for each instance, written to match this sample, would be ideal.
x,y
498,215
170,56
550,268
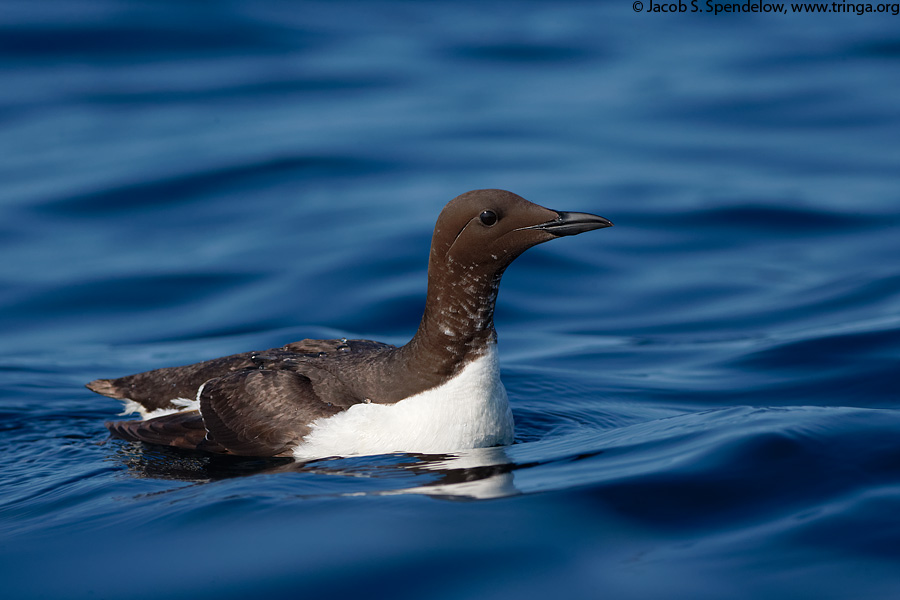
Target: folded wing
x,y
261,413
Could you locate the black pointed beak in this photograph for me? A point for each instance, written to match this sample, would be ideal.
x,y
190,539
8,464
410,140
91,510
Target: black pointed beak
x,y
572,223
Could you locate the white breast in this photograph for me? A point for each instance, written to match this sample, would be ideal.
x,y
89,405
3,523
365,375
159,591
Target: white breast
x,y
469,411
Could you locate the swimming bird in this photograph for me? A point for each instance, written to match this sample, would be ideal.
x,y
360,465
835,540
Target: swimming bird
x,y
440,392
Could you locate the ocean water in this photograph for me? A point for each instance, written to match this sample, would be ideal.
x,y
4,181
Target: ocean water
x,y
706,395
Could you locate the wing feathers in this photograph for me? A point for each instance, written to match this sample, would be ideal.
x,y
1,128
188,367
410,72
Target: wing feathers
x,y
181,430
156,389
251,404
261,413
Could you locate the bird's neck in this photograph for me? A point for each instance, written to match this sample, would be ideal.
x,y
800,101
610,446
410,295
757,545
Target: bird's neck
x,y
458,323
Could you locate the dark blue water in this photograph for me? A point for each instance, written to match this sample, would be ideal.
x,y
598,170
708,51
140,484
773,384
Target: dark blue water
x,y
706,395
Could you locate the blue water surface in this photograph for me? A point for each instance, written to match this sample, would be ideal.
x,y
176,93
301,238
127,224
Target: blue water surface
x,y
706,395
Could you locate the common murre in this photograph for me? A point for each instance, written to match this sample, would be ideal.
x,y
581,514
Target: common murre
x,y
441,392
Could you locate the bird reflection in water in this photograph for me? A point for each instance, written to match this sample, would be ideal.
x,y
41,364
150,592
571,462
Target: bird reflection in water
x,y
481,473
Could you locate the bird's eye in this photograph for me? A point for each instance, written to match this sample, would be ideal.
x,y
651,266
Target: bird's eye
x,y
488,218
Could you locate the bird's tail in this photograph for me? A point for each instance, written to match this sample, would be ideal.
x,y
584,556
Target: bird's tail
x,y
106,387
